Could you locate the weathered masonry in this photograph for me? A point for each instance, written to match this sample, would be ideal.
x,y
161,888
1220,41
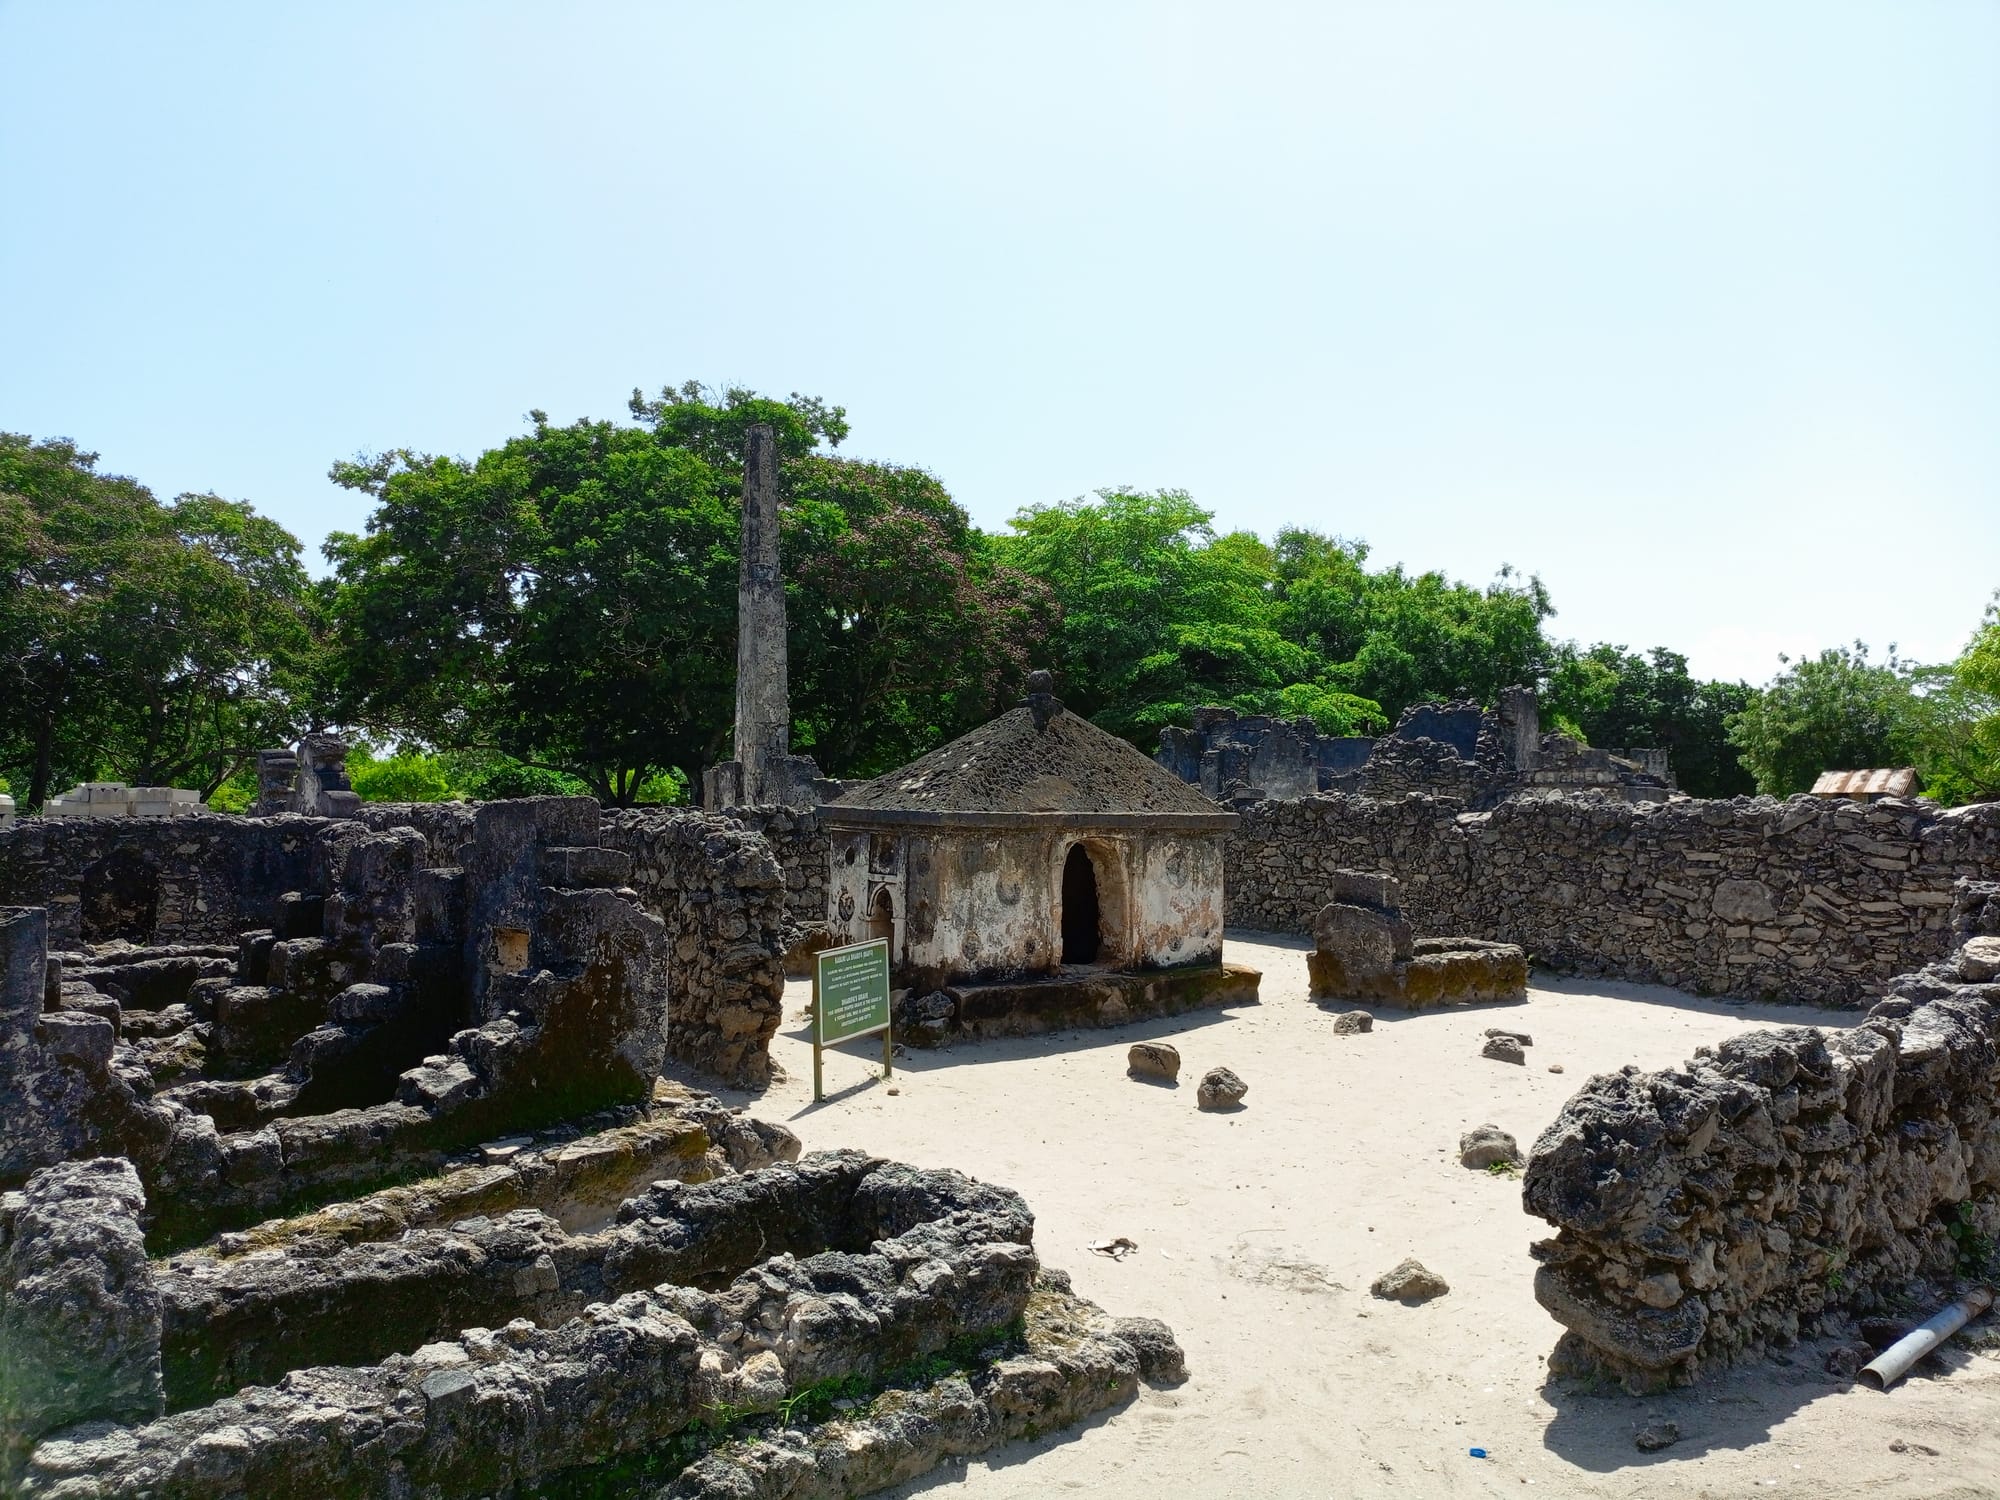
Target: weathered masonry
x,y
517,1260
1804,900
505,1354
1707,1212
1445,749
1035,842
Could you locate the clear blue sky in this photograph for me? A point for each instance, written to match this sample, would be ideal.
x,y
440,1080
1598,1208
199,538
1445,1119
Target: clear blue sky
x,y
1693,309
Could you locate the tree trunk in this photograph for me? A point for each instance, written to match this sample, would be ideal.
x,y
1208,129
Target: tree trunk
x,y
38,780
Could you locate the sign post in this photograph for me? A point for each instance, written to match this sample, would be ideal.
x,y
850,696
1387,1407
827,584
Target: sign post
x,y
850,999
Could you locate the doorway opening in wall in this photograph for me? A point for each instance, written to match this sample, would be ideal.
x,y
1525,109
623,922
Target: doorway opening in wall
x,y
881,921
1080,920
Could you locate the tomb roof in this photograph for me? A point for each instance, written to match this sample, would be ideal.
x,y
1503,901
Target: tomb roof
x,y
1064,764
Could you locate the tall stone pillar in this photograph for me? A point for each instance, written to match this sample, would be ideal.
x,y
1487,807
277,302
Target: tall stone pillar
x,y
763,698
764,772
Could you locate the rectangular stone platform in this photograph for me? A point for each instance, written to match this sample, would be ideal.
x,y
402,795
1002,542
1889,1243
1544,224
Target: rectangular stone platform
x,y
1073,999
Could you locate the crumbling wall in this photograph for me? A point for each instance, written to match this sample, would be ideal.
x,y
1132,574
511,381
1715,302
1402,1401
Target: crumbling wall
x,y
530,970
845,1266
1481,757
183,880
722,896
1806,900
68,1087
444,825
248,1319
79,1310
799,842
1975,910
1708,1211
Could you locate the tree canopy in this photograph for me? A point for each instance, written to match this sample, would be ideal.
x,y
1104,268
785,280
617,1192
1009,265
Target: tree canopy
x,y
159,644
558,613
569,598
1834,711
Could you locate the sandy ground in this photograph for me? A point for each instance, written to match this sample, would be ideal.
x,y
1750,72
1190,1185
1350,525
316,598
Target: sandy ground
x,y
1260,1231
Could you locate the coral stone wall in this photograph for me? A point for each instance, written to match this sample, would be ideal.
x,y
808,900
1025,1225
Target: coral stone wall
x,y
445,825
79,1316
799,842
178,880
1705,1212
1805,900
843,1267
721,893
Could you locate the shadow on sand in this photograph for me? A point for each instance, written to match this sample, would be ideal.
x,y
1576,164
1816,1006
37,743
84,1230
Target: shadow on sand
x,y
1007,1456
1750,1013
1734,1410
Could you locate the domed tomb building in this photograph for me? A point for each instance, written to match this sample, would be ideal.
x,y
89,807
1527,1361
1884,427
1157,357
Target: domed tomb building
x,y
1035,846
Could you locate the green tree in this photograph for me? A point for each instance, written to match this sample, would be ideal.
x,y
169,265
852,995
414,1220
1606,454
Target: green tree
x,y
404,776
1621,699
1834,711
158,644
906,628
1398,639
1957,715
1156,613
568,600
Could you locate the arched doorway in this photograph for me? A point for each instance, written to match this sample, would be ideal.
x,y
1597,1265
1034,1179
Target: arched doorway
x,y
881,921
1081,936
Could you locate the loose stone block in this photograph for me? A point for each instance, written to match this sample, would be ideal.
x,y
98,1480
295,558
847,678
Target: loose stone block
x,y
1221,1089
1153,1060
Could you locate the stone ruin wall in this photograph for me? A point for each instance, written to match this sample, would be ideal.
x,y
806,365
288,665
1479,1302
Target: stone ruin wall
x,y
1805,900
1479,756
201,879
1785,1177
722,895
734,890
393,1015
733,898
634,1257
444,825
510,1355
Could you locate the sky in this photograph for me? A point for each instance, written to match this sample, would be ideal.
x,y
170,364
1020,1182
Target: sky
x,y
1691,309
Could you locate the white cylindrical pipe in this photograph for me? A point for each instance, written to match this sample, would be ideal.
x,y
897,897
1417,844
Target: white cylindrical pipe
x,y
1894,1362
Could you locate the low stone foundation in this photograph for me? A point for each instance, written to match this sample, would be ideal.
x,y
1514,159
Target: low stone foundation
x,y
1363,949
681,1345
974,1012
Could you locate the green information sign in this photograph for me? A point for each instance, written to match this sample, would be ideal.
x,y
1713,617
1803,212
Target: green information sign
x,y
850,999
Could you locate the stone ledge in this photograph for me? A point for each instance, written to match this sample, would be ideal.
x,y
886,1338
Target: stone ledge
x,y
1070,1361
975,1012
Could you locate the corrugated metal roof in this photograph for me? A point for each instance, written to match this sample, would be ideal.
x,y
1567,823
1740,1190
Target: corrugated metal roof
x,y
1901,782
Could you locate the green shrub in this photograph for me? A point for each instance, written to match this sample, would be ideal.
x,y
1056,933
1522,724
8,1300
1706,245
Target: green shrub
x,y
669,788
236,795
512,779
407,776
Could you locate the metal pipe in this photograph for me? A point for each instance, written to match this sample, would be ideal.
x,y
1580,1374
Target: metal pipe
x,y
1894,1362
